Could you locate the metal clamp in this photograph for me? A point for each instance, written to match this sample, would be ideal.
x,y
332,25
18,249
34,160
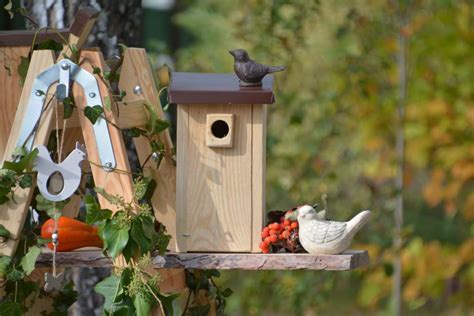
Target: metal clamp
x,y
66,71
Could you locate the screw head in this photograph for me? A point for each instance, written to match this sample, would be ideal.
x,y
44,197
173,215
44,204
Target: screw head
x,y
137,89
92,95
155,155
64,66
38,93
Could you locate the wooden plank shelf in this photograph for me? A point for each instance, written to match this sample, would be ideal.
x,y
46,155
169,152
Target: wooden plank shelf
x,y
351,259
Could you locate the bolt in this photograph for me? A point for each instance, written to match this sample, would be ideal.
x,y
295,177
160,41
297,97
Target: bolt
x,y
155,155
38,93
137,90
108,166
64,66
92,95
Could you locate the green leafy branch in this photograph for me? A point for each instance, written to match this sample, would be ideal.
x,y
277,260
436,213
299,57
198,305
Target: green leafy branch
x,y
133,291
204,293
133,232
16,173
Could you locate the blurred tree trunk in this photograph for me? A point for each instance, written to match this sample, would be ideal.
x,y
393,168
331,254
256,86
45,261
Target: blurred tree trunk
x,y
400,154
119,23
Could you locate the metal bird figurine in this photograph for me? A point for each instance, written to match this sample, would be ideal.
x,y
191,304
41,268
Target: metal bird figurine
x,y
319,236
249,72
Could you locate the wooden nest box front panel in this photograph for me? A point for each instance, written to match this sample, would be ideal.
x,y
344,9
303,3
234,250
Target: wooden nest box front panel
x,y
220,162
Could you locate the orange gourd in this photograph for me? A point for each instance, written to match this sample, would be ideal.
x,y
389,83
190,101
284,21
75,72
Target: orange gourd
x,y
72,234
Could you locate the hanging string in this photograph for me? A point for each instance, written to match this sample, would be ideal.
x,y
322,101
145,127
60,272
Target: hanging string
x,y
59,145
55,238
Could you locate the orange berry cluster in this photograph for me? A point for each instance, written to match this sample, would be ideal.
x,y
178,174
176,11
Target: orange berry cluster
x,y
277,233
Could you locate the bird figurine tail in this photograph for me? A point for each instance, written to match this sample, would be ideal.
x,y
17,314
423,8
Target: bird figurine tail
x,y
357,222
275,69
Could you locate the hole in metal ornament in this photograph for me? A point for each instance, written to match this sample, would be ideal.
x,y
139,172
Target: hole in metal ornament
x,y
55,183
220,129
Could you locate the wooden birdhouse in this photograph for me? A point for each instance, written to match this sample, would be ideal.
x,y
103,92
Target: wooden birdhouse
x,y
220,161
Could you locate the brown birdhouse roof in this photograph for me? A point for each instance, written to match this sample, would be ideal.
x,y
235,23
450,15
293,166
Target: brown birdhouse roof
x,y
211,88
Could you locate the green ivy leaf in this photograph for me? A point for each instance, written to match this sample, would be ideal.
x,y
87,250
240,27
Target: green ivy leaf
x,y
107,103
227,292
109,197
213,273
150,188
122,95
4,265
94,212
96,70
53,209
135,132
157,145
29,260
9,8
4,233
49,44
25,163
139,236
93,113
110,289
26,181
166,300
69,105
131,250
155,125
142,305
12,308
123,308
15,274
160,126
161,240
115,236
148,226
23,69
42,241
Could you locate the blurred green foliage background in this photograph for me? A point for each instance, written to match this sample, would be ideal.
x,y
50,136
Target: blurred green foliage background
x,y
332,130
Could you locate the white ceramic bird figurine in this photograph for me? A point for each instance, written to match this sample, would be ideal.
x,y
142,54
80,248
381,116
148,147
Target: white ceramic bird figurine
x,y
319,236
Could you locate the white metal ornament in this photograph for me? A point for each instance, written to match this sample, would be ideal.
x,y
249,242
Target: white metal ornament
x,y
69,169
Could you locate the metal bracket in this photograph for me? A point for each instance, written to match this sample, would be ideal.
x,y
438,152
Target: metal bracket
x,y
66,71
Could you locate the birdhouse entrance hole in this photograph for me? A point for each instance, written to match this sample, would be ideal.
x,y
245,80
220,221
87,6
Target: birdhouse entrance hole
x,y
55,183
220,129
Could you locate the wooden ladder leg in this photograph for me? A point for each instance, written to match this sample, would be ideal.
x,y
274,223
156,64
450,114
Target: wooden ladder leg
x,y
112,182
136,71
13,214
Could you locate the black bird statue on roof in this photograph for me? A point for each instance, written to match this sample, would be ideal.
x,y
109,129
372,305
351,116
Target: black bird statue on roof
x,y
249,72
